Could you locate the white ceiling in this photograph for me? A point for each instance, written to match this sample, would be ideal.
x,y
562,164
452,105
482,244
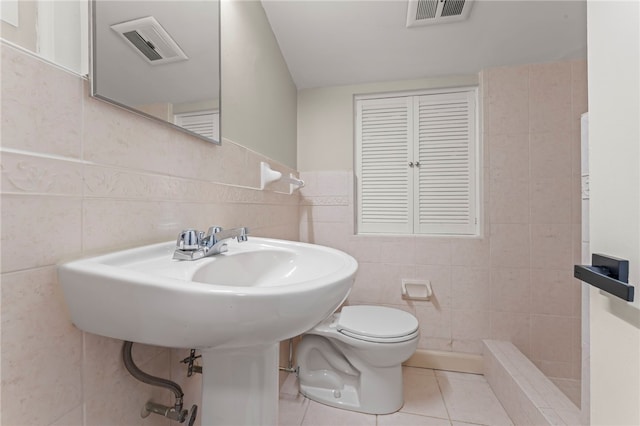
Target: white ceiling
x,y
338,42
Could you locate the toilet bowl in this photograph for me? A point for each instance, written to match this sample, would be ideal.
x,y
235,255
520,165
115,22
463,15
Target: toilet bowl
x,y
352,360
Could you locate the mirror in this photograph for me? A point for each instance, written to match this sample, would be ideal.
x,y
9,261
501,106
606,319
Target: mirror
x,y
146,57
56,31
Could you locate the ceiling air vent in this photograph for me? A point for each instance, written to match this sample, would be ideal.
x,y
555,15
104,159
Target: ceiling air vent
x,y
147,37
429,12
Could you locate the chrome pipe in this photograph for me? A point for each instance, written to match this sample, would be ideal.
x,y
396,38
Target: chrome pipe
x,y
289,368
176,412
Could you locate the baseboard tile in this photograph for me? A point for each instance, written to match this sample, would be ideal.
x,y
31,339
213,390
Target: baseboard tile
x,y
450,361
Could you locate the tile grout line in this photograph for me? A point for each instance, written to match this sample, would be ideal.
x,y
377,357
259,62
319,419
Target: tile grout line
x,y
444,401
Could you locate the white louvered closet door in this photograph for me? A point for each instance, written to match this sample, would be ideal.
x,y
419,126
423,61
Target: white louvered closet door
x,y
445,180
384,134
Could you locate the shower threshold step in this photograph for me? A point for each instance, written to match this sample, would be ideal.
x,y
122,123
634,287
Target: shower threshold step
x,y
528,396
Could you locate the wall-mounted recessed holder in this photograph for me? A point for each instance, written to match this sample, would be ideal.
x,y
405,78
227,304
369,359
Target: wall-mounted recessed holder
x,y
416,289
609,274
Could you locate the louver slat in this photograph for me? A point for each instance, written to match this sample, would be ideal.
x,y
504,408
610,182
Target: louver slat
x,y
204,123
446,187
384,135
452,7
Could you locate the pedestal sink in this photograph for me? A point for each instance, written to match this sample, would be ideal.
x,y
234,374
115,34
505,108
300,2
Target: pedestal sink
x,y
235,307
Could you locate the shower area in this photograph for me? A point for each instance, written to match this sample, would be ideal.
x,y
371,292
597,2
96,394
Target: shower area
x,y
515,282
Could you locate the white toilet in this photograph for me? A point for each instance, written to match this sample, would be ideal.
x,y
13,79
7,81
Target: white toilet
x,y
352,360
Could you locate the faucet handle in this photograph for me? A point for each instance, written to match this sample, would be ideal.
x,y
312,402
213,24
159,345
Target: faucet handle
x,y
242,236
213,230
189,239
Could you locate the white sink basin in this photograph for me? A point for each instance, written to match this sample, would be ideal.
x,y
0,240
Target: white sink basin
x,y
235,307
259,292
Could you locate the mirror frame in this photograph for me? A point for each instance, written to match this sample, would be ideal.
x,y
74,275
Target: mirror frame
x,y
93,72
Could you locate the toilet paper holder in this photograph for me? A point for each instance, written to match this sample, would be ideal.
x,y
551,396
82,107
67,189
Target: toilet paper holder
x,y
416,289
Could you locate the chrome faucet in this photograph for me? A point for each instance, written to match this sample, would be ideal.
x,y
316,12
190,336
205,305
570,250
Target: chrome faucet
x,y
194,245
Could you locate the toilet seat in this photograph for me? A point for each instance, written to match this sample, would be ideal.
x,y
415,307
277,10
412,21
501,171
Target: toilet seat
x,y
377,324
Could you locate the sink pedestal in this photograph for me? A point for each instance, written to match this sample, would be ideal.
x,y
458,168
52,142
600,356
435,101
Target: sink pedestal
x,y
240,386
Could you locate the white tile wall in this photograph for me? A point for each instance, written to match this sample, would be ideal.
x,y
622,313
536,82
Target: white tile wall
x,y
78,176
515,283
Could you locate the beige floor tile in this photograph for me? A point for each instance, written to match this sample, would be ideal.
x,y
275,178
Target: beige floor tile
x,y
432,398
290,386
291,409
406,419
460,376
422,394
323,415
472,401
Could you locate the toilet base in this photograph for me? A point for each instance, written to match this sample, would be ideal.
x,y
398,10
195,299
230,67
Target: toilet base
x,y
347,398
379,391
358,371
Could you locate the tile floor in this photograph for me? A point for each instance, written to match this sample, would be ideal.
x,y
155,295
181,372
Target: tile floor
x,y
432,398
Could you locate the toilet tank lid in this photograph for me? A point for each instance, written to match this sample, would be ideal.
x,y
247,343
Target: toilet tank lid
x,y
376,321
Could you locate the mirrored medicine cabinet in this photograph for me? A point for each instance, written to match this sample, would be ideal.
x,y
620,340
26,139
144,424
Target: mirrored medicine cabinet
x,y
160,59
